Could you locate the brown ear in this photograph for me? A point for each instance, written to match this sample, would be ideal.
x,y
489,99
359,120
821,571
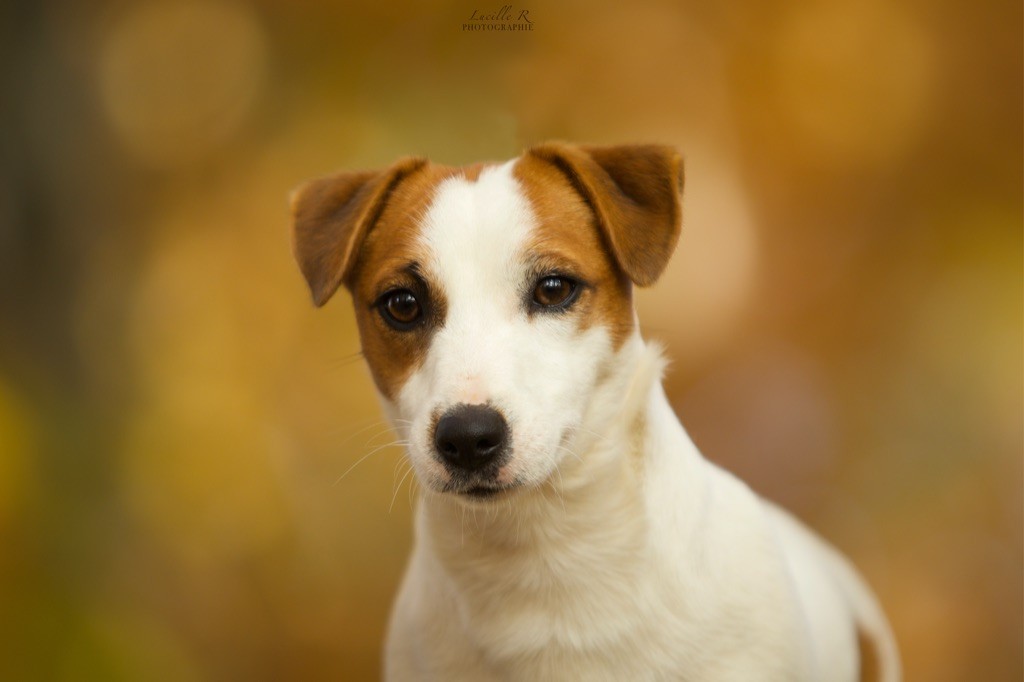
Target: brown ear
x,y
330,218
634,191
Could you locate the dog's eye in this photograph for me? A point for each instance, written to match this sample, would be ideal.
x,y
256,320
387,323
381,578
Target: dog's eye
x,y
554,291
400,309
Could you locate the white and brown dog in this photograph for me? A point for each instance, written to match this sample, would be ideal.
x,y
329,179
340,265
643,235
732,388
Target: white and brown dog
x,y
568,529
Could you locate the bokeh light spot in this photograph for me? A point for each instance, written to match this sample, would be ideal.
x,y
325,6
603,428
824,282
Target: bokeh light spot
x,y
710,278
16,450
854,81
177,79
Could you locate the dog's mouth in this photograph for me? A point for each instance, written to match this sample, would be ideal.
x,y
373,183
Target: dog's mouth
x,y
482,484
478,491
482,492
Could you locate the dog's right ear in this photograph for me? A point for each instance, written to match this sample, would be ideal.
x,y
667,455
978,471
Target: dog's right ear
x,y
331,217
635,194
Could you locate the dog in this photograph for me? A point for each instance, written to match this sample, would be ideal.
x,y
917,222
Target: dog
x,y
567,528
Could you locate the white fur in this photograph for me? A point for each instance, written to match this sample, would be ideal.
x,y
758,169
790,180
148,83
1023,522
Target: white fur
x,y
624,555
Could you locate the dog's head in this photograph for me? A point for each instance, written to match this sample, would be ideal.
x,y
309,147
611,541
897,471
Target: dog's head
x,y
492,300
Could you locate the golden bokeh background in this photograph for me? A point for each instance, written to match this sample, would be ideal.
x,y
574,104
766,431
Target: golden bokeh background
x,y
178,425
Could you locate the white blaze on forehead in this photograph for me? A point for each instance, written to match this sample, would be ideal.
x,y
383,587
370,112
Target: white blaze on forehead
x,y
475,235
476,231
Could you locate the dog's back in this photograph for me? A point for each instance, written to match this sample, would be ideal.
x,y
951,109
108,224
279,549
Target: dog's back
x,y
839,605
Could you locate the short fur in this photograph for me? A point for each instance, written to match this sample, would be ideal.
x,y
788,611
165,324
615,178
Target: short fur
x,y
607,547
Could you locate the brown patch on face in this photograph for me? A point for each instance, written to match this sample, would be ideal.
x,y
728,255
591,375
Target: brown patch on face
x,y
870,671
568,242
634,192
390,258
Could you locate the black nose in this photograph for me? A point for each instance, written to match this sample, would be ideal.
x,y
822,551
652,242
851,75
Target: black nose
x,y
469,437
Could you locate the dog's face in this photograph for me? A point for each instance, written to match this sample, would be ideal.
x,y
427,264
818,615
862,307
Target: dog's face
x,y
492,300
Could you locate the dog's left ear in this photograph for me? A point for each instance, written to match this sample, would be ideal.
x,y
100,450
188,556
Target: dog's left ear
x,y
330,218
635,192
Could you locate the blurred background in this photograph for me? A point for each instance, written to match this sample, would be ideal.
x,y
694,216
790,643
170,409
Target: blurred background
x,y
178,425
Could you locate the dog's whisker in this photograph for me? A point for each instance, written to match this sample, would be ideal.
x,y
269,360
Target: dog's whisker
x,y
571,452
413,484
561,487
394,495
600,436
399,471
376,423
519,521
367,455
345,360
463,537
384,424
396,484
370,441
345,432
